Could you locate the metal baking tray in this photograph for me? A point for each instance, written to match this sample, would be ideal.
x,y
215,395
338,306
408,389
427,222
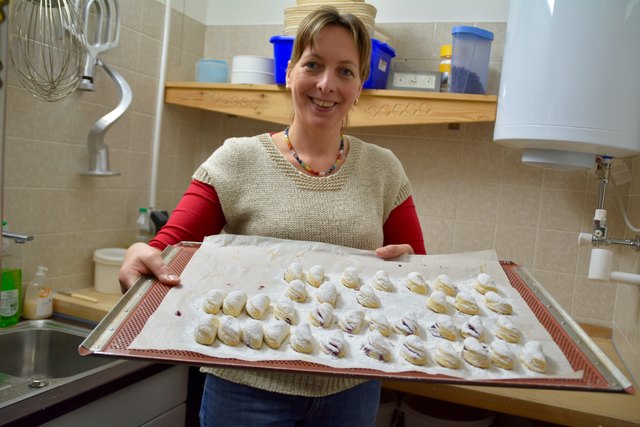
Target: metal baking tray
x,y
124,322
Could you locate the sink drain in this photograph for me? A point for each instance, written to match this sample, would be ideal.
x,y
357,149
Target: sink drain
x,y
38,381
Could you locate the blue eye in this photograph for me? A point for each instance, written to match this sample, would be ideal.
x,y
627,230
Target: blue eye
x,y
311,65
347,72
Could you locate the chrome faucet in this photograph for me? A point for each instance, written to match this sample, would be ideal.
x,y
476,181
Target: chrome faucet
x,y
18,238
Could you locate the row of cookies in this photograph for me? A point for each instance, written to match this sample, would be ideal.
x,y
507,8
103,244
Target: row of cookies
x,y
414,281
254,333
231,332
498,353
465,302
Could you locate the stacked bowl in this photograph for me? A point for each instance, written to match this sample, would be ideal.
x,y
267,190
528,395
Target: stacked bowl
x,y
294,15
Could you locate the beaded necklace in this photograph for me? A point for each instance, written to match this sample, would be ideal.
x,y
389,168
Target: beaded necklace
x,y
309,168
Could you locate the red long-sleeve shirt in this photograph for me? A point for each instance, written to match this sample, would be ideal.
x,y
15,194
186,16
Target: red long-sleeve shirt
x,y
199,214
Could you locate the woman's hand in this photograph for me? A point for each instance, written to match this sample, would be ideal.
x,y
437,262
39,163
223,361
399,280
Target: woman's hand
x,y
392,251
142,259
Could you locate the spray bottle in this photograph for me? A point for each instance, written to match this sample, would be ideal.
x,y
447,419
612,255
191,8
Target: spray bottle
x,y
38,299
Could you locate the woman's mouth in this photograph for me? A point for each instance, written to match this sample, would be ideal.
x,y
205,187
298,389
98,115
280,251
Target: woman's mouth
x,y
322,104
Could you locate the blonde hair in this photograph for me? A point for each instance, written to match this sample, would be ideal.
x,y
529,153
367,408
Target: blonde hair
x,y
325,16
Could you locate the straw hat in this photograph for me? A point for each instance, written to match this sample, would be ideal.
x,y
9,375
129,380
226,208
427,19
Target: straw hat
x,y
294,15
317,2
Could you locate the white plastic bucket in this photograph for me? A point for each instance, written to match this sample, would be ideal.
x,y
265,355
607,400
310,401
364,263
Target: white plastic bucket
x,y
107,263
421,412
252,69
387,408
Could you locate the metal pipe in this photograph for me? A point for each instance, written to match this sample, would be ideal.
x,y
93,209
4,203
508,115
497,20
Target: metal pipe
x,y
157,125
612,241
4,35
18,238
604,168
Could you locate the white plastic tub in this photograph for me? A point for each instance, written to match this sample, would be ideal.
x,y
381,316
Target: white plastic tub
x,y
422,412
107,262
252,69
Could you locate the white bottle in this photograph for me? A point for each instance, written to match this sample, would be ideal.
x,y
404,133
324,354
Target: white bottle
x,y
38,300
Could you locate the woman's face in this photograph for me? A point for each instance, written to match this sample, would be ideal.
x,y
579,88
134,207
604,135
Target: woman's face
x,y
325,82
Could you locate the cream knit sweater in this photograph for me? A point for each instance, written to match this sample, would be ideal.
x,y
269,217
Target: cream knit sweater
x,y
263,194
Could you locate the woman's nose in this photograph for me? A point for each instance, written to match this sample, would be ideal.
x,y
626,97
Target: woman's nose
x,y
327,81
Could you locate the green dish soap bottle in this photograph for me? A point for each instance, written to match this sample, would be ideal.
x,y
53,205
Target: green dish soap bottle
x,y
11,288
10,296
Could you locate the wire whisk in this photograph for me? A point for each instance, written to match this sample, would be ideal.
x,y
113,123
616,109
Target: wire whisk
x,y
47,47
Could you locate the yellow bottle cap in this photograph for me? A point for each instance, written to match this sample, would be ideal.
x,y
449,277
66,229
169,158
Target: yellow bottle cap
x,y
445,50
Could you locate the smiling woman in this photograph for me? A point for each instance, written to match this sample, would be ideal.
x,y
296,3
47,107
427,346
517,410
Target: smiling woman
x,y
310,182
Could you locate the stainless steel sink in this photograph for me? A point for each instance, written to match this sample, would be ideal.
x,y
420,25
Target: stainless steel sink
x,y
38,355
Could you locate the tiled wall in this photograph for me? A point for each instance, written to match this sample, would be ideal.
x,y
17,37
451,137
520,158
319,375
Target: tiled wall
x,y
471,194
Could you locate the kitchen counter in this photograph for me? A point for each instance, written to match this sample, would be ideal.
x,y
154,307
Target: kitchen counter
x,y
571,408
88,304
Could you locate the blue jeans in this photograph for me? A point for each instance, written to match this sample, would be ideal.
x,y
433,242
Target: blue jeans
x,y
227,404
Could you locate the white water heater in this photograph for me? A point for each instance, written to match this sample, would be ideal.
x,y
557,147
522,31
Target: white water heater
x,y
570,83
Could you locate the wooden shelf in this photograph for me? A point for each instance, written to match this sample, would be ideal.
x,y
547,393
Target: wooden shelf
x,y
272,103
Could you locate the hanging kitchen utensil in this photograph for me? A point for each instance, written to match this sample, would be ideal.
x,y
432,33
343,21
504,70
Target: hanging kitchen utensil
x,y
47,47
98,150
101,33
102,28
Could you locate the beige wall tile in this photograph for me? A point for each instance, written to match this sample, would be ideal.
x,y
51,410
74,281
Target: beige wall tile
x,y
152,18
481,162
144,100
556,251
425,160
558,209
481,131
563,180
437,199
438,234
148,60
518,205
130,13
405,37
627,312
193,36
477,202
593,301
473,236
126,53
517,244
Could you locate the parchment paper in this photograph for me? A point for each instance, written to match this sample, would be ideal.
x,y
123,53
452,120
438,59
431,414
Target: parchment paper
x,y
257,265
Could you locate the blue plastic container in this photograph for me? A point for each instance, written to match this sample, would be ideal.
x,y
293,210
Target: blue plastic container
x,y
381,56
470,59
282,47
212,71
